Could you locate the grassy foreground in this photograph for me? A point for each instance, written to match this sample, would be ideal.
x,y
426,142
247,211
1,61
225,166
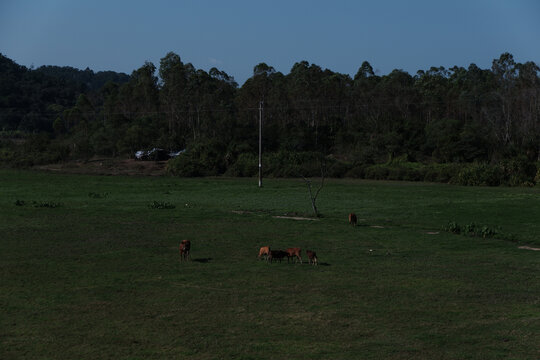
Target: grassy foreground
x,y
89,271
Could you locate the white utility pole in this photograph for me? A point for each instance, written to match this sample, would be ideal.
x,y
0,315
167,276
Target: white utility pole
x,y
260,142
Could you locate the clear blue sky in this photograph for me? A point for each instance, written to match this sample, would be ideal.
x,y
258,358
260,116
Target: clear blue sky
x,y
234,36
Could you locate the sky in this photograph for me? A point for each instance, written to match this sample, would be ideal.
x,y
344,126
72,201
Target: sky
x,y
236,35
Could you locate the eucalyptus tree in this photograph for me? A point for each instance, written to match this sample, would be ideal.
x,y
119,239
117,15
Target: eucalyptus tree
x,y
528,109
433,87
138,103
258,90
505,72
172,96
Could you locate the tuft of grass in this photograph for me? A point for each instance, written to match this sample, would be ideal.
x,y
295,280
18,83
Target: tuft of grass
x,y
47,204
39,204
95,195
161,205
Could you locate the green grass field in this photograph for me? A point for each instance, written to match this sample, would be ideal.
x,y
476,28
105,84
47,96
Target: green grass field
x,y
99,276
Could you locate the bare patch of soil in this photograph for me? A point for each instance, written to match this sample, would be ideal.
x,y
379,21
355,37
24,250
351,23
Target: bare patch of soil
x,y
295,218
109,166
291,216
529,248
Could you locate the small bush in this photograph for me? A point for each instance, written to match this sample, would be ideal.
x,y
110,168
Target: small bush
x,y
475,230
518,171
442,173
185,166
537,176
245,166
510,172
20,203
161,205
486,231
478,174
46,204
338,169
94,195
292,164
377,172
357,172
204,158
452,227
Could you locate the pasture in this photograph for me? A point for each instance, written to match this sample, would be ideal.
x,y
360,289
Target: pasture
x,y
90,269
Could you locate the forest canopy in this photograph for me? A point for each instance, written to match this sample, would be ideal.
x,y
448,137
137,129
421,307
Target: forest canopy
x,y
488,117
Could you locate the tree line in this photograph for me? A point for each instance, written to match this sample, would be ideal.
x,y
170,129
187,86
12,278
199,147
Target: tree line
x,y
437,116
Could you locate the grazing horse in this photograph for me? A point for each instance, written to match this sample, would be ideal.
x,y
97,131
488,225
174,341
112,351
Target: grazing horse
x,y
312,256
294,252
277,254
264,251
185,247
352,219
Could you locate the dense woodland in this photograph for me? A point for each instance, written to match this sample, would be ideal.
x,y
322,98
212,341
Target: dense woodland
x,y
438,121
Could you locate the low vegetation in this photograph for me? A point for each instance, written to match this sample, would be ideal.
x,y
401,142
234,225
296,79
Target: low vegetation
x,y
101,278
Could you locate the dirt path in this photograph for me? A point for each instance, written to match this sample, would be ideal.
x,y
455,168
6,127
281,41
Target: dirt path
x,y
295,218
528,248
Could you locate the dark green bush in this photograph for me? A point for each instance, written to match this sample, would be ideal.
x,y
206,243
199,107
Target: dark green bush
x,y
40,204
209,161
452,227
46,204
511,172
292,164
161,205
398,170
186,165
204,158
7,156
94,195
517,171
338,169
441,172
357,172
377,172
35,150
246,165
477,174
472,229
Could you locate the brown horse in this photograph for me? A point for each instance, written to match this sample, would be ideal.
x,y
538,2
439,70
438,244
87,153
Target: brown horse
x,y
352,219
277,254
294,253
264,251
185,247
312,256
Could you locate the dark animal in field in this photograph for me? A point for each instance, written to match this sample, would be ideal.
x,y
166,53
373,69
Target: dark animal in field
x,y
312,256
352,219
277,255
185,247
264,251
294,253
